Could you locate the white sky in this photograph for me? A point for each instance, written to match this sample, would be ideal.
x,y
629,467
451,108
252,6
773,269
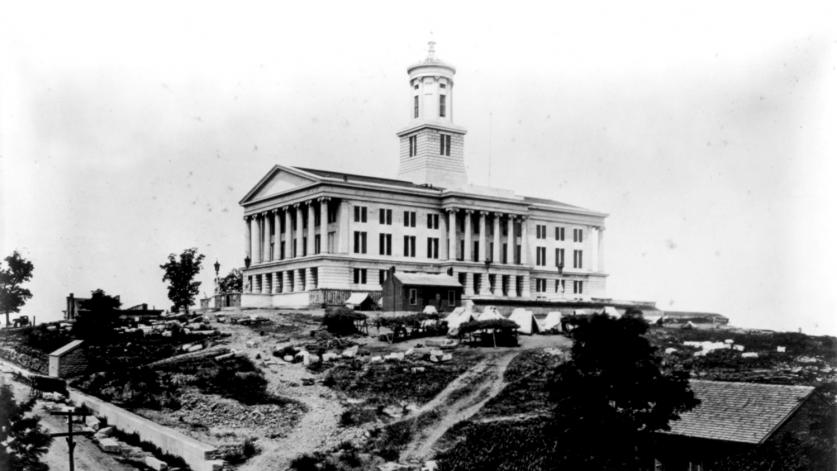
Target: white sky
x,y
705,129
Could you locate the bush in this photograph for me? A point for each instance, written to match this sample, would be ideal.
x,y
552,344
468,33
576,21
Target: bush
x,y
342,321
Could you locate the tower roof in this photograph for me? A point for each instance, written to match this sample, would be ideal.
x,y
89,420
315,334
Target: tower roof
x,y
431,60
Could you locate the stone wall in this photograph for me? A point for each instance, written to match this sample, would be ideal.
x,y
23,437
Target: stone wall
x,y
73,363
196,454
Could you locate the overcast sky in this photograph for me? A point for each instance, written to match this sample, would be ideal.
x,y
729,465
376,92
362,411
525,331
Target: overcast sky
x,y
706,131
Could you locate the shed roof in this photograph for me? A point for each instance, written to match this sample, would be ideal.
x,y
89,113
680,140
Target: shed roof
x,y
427,279
739,412
66,348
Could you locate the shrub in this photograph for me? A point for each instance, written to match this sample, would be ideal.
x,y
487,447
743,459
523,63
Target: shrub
x,y
342,321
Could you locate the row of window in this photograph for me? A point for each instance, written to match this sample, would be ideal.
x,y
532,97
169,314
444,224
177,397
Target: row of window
x,y
281,282
540,233
560,286
444,145
540,257
443,105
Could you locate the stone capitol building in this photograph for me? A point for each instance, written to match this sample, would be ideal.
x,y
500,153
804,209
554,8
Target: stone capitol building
x,y
317,236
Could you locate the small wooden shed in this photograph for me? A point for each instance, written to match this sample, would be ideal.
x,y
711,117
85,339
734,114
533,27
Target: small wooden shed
x,y
404,291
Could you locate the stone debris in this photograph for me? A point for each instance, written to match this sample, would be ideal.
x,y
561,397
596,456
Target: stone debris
x,y
394,411
781,349
329,356
740,348
350,352
749,355
104,432
394,357
92,422
155,464
250,344
109,445
376,359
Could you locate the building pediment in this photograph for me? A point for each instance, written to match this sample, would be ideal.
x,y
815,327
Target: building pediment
x,y
279,180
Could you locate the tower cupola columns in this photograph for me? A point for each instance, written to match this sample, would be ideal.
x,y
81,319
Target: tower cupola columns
x,y
431,144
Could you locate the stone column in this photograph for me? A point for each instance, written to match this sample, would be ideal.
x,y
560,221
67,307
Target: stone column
x,y
324,225
467,253
309,279
452,234
469,284
266,241
266,283
511,241
277,226
524,242
248,247
343,236
311,227
289,281
443,239
525,291
277,276
299,231
259,238
600,251
495,254
485,285
297,279
481,248
288,232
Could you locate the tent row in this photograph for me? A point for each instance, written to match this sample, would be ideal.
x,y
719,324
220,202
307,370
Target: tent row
x,y
526,320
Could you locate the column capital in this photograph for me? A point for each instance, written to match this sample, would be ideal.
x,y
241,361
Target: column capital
x,y
248,217
469,211
296,205
324,198
484,213
451,210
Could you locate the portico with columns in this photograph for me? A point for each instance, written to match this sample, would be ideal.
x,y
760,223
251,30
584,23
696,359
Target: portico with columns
x,y
315,236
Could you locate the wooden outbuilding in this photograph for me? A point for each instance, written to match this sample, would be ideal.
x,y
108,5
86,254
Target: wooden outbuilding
x,y
403,291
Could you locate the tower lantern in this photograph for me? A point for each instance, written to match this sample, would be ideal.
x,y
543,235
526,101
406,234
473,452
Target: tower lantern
x,y
431,144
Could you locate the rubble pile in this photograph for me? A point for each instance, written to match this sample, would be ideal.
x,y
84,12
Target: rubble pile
x,y
216,411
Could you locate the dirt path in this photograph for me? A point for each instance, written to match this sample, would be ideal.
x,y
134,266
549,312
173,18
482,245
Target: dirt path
x,y
489,376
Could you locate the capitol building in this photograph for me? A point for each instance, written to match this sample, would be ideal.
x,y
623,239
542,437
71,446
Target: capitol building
x,y
316,236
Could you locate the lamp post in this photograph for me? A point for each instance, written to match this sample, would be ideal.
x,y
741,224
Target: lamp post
x,y
488,275
217,278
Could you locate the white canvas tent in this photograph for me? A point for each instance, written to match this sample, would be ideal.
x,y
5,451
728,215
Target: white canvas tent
x,y
490,313
552,321
458,317
612,311
429,309
525,320
362,301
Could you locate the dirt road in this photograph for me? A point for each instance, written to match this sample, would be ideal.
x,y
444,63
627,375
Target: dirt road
x,y
461,400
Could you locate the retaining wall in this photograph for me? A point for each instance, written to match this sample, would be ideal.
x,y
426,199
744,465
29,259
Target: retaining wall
x,y
196,454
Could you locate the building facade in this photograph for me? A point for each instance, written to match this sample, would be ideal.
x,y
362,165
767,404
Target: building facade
x,y
316,236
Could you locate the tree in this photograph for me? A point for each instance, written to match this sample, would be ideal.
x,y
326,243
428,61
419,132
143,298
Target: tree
x,y
612,395
180,274
13,296
232,282
22,441
97,317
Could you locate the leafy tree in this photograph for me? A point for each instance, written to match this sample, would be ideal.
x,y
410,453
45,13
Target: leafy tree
x,y
612,395
232,282
22,441
13,296
97,317
180,274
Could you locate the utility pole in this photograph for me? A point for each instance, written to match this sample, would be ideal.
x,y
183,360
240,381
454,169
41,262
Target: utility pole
x,y
70,433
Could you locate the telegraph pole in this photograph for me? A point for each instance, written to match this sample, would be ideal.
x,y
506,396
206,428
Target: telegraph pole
x,y
70,433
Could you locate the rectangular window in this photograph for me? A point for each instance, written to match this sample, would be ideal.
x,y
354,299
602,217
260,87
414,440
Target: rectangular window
x,y
409,246
578,287
317,244
304,246
384,244
317,218
577,259
444,144
540,285
505,253
409,219
413,297
559,257
382,276
360,213
432,247
578,235
540,231
360,242
415,106
517,254
432,221
475,251
330,243
451,297
559,286
413,141
385,216
360,276
332,214
442,105
282,250
540,256
559,233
